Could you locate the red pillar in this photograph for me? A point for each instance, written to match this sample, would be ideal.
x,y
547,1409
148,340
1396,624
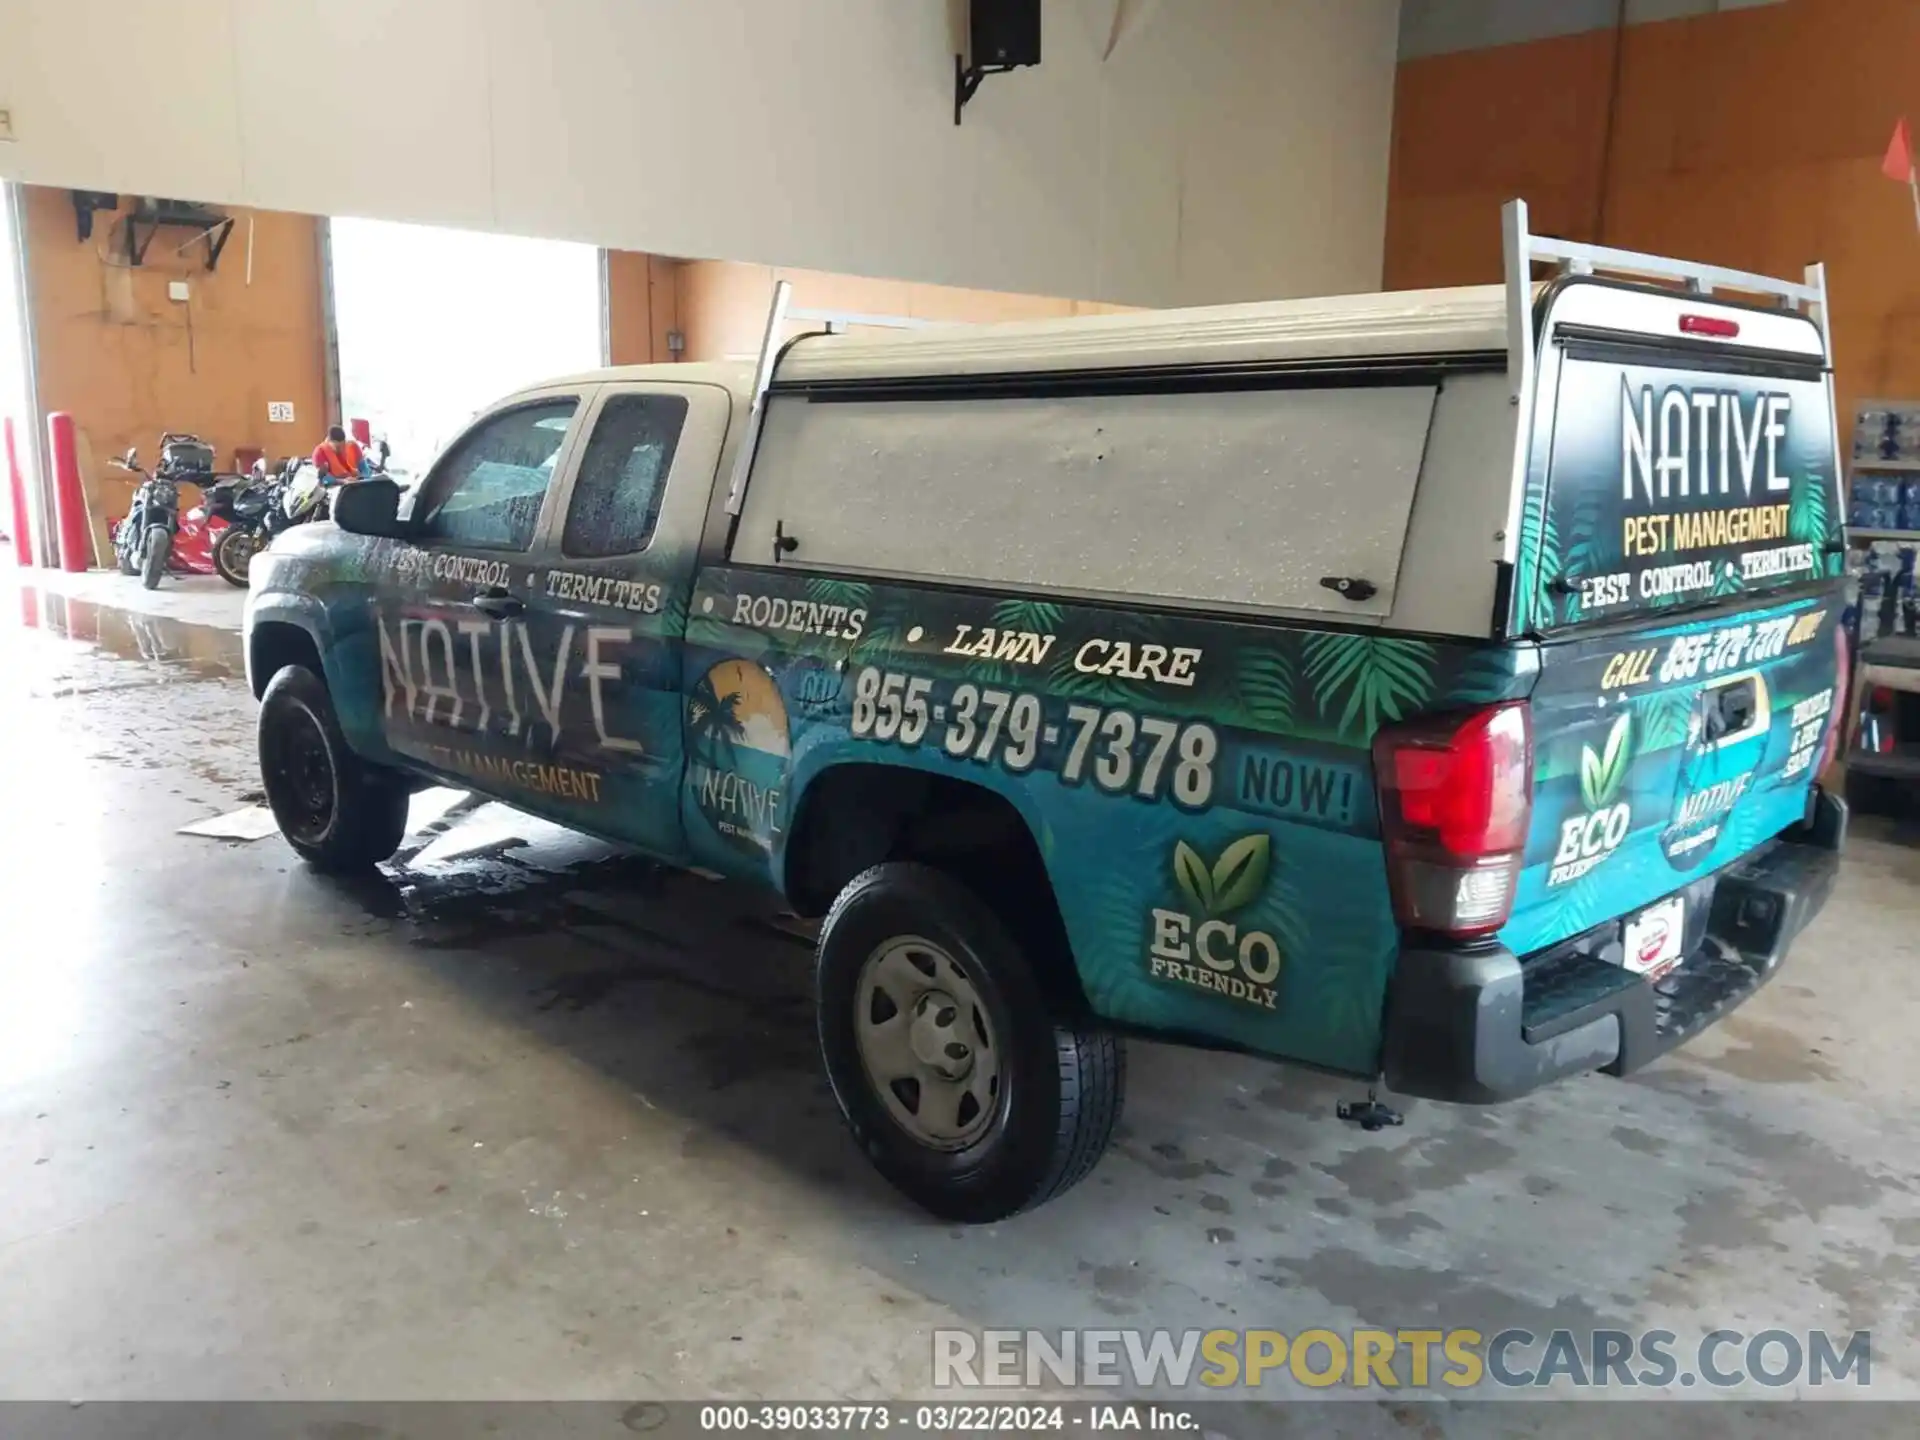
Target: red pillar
x,y
69,500
17,495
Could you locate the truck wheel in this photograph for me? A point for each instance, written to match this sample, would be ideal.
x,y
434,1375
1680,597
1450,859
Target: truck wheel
x,y
957,1082
339,813
154,552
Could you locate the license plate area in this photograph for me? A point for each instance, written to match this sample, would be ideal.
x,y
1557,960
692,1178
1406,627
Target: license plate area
x,y
1654,940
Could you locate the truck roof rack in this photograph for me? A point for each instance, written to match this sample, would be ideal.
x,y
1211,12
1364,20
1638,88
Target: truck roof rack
x,y
1525,249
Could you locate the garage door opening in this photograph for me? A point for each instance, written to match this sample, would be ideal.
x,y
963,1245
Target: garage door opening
x,y
435,324
16,408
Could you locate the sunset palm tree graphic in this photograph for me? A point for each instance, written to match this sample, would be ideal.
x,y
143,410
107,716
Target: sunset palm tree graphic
x,y
715,723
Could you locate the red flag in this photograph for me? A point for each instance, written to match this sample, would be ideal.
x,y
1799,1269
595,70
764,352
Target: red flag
x,y
1898,164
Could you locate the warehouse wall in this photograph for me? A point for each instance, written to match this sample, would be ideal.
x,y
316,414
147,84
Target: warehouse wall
x,y
1751,138
1435,27
117,353
643,306
723,304
1165,152
128,362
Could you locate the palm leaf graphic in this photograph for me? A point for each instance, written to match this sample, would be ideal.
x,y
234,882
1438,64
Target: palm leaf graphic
x,y
1034,615
1240,873
1594,549
1381,679
1807,515
1662,719
849,593
1265,679
1540,559
1191,874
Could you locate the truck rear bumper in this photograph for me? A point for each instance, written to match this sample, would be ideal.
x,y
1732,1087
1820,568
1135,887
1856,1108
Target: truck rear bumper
x,y
1477,1026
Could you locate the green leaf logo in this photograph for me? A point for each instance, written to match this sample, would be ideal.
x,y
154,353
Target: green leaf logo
x,y
1234,881
1602,775
1195,882
1241,873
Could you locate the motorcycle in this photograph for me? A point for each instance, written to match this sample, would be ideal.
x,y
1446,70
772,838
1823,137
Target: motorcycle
x,y
298,491
143,542
308,493
252,513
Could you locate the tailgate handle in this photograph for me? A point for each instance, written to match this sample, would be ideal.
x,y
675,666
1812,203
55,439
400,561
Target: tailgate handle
x,y
1730,710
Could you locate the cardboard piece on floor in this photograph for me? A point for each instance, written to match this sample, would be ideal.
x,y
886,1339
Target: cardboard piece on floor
x,y
432,805
256,822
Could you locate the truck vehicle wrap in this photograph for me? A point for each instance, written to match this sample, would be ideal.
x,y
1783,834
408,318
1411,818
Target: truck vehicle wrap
x,y
1425,688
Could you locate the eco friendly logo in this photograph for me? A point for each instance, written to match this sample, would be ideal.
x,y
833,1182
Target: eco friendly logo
x,y
1198,946
1590,837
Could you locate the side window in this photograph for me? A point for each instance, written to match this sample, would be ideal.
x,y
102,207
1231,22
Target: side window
x,y
486,491
623,474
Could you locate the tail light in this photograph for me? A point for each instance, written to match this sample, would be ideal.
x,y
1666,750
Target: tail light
x,y
1456,795
1714,325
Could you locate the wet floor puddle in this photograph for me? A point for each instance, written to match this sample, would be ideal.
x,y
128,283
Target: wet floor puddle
x,y
204,651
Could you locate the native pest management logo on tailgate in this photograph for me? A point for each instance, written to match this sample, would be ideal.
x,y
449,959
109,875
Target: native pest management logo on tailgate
x,y
1197,945
1595,833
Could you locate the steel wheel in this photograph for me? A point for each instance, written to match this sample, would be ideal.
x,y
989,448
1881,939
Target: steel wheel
x,y
298,770
927,1044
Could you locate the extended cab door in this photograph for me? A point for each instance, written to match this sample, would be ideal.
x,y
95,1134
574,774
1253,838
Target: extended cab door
x,y
465,690
614,577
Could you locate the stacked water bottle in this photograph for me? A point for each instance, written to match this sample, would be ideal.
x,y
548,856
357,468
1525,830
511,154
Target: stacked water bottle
x,y
1884,496
1887,430
1884,502
1885,493
1881,600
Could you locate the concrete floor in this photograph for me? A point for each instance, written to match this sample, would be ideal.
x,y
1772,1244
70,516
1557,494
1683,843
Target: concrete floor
x,y
528,1119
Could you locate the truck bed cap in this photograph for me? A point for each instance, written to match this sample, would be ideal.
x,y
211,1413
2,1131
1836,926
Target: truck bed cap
x,y
1468,319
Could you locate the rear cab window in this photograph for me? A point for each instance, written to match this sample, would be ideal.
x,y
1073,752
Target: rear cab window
x,y
1691,460
623,474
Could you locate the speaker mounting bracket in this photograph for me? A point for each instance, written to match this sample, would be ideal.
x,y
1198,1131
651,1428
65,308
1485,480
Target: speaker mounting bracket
x,y
967,78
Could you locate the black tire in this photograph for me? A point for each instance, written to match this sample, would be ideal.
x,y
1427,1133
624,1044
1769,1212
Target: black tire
x,y
154,553
1064,1079
234,553
339,813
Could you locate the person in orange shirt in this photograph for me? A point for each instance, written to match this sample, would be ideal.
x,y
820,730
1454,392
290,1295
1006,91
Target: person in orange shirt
x,y
337,457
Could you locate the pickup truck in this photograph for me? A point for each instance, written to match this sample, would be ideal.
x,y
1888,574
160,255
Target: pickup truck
x,y
1425,687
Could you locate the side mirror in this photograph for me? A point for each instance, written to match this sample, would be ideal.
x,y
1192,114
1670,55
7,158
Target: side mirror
x,y
371,507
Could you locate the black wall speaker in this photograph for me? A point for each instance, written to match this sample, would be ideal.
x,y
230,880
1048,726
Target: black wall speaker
x,y
1004,32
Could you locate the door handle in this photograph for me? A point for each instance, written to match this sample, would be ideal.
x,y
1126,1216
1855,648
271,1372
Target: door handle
x,y
498,603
